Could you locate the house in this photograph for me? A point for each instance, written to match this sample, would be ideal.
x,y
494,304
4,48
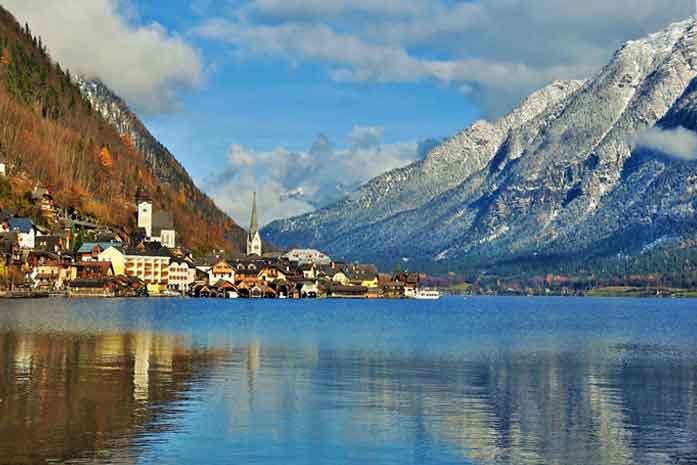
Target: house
x,y
364,275
269,274
182,274
222,271
151,265
83,288
307,256
48,270
91,279
309,271
114,255
91,271
340,291
309,290
52,244
410,281
223,289
199,289
247,278
26,230
339,277
391,289
3,167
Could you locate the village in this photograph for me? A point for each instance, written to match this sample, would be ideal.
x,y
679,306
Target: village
x,y
77,257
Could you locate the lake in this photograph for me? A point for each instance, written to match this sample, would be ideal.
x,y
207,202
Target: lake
x,y
457,381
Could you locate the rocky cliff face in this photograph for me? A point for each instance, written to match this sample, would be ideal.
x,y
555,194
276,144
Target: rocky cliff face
x,y
116,112
557,177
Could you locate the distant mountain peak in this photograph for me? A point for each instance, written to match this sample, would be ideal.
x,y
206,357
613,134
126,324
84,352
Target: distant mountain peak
x,y
546,180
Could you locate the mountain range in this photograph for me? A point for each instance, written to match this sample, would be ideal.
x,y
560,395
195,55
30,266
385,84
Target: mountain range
x,y
579,170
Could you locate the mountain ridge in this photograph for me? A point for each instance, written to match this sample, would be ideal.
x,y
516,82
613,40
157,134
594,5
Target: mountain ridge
x,y
546,186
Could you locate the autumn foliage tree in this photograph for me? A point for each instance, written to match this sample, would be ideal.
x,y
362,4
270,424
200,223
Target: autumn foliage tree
x,y
105,158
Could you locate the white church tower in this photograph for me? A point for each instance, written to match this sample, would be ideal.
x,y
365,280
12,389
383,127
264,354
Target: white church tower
x,y
253,238
144,213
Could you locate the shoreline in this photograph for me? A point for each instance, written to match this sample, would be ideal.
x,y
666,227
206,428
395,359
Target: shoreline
x,y
607,293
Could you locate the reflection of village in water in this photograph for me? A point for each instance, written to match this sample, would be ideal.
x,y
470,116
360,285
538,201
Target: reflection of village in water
x,y
105,397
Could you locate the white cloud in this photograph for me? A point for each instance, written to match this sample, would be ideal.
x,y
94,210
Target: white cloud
x,y
291,183
144,64
365,137
678,142
329,8
500,49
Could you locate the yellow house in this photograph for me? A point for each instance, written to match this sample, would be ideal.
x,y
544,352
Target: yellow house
x,y
117,259
341,278
270,274
370,283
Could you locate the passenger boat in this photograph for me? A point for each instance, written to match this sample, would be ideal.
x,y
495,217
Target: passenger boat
x,y
427,294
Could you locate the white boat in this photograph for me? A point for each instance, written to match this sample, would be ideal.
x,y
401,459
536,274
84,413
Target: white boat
x,y
427,294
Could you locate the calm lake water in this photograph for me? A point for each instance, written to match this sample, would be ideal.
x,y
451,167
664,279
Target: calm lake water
x,y
473,381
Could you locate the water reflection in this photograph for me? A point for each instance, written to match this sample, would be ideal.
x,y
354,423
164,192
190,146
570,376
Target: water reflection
x,y
67,396
220,395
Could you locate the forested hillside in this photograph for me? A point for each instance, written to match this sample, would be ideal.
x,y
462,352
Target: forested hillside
x,y
50,134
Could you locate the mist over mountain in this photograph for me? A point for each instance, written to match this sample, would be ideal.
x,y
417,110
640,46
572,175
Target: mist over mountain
x,y
580,169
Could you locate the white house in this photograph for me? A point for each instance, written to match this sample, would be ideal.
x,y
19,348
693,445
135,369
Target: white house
x,y
182,274
26,231
307,256
3,168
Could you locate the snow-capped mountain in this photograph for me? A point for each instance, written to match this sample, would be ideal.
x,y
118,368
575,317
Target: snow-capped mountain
x,y
560,176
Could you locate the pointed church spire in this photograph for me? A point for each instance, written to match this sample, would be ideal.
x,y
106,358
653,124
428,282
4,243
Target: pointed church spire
x,y
254,225
254,239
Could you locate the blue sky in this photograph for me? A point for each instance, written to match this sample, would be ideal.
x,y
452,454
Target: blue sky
x,y
266,103
304,100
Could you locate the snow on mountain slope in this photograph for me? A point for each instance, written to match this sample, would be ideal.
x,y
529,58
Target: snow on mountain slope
x,y
550,178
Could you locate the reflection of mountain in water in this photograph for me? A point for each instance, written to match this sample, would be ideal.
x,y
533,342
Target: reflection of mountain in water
x,y
66,397
609,406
